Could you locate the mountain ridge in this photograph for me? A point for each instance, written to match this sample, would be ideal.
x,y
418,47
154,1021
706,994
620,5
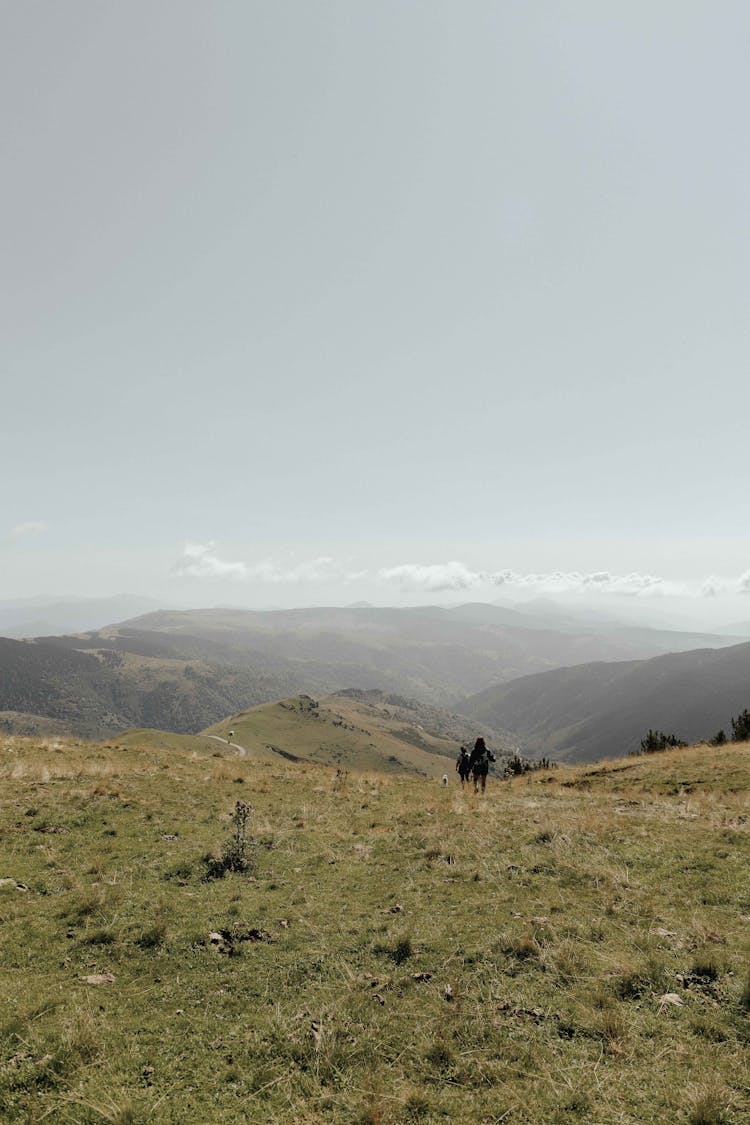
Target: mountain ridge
x,y
571,714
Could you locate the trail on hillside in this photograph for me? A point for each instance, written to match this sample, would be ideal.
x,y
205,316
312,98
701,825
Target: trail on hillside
x,y
226,742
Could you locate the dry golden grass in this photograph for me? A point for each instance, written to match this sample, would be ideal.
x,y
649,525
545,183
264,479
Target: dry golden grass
x,y
571,947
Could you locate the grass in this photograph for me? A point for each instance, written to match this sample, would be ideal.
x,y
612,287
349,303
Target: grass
x,y
572,947
341,731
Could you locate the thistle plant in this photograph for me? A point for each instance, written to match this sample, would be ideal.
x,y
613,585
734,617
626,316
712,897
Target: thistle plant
x,y
234,854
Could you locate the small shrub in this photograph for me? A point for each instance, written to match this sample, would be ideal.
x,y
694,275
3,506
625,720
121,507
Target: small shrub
x,y
100,937
517,766
741,727
399,952
709,1109
612,1029
629,985
657,741
439,1055
523,948
416,1107
234,854
719,739
181,873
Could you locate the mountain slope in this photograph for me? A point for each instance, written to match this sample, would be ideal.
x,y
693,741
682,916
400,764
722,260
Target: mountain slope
x,y
429,653
97,692
582,713
351,730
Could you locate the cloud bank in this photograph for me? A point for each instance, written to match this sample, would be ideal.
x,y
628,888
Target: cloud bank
x,y
202,561
457,576
438,576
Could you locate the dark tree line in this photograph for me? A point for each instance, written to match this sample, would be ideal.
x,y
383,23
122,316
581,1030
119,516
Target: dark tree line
x,y
656,740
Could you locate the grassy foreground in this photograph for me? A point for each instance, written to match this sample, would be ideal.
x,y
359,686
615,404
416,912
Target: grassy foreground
x,y
572,947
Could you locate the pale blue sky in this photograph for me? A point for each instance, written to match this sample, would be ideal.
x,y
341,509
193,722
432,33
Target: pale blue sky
x,y
384,283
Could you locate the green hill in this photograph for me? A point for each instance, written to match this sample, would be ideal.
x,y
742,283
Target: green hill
x,y
571,947
351,730
354,729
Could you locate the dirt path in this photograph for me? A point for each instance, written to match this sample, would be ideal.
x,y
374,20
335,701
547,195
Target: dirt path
x,y
236,745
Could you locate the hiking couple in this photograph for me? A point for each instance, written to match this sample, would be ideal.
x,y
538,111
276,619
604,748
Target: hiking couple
x,y
476,764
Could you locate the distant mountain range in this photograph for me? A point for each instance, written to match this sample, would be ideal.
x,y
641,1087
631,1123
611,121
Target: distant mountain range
x,y
42,616
430,653
184,670
603,710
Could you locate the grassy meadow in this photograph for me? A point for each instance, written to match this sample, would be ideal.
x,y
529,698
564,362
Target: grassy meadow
x,y
571,947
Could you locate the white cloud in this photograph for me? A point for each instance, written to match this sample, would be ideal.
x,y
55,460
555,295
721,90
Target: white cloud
x,y
598,581
200,560
743,583
433,577
27,530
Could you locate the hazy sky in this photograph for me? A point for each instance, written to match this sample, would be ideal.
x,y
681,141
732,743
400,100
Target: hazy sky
x,y
317,301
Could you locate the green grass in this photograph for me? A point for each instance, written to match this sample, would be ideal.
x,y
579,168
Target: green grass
x,y
396,952
340,731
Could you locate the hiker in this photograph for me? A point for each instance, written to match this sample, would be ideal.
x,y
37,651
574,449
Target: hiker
x,y
463,768
480,759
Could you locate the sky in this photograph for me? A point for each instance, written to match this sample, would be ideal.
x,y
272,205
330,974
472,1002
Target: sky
x,y
318,302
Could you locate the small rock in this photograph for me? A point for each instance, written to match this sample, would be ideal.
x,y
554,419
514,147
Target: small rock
x,y
221,942
98,978
379,998
670,998
421,978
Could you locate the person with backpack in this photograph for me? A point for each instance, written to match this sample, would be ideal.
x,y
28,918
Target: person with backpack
x,y
463,768
480,759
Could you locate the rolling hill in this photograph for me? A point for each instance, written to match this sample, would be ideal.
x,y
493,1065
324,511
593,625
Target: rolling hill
x,y
579,714
361,730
